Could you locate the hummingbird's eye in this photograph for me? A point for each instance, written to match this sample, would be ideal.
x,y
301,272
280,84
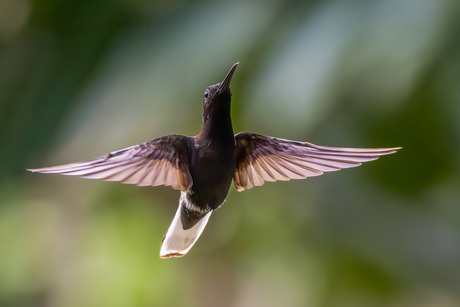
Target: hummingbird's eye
x,y
206,94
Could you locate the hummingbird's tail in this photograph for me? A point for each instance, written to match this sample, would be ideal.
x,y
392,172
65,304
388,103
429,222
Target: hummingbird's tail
x,y
184,231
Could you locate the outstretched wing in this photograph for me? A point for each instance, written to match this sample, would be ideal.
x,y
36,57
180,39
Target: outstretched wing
x,y
163,161
262,158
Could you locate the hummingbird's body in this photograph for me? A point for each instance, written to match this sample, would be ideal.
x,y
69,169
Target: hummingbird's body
x,y
213,153
203,167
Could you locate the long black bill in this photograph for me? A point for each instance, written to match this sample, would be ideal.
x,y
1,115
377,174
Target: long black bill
x,y
225,84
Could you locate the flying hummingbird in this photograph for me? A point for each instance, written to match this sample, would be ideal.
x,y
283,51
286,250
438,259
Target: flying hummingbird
x,y
202,167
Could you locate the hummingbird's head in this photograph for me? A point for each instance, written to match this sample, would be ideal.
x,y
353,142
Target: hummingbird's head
x,y
217,97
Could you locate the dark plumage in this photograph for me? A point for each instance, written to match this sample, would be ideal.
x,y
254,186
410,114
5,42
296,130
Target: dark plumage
x,y
202,167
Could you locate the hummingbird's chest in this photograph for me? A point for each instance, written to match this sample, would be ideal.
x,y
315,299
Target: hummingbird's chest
x,y
214,160
212,168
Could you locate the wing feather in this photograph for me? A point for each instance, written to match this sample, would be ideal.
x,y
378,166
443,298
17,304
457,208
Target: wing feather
x,y
162,161
262,158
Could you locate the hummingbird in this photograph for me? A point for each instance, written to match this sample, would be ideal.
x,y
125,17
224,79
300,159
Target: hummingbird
x,y
202,167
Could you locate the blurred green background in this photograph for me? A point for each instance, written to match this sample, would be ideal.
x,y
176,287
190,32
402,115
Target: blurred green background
x,y
81,78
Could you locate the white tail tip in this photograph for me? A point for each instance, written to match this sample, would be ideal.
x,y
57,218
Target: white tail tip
x,y
178,241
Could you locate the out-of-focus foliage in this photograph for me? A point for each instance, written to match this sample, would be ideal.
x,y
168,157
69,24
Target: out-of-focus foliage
x,y
85,77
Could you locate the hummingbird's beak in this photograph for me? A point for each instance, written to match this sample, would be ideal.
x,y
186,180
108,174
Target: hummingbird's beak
x,y
225,84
